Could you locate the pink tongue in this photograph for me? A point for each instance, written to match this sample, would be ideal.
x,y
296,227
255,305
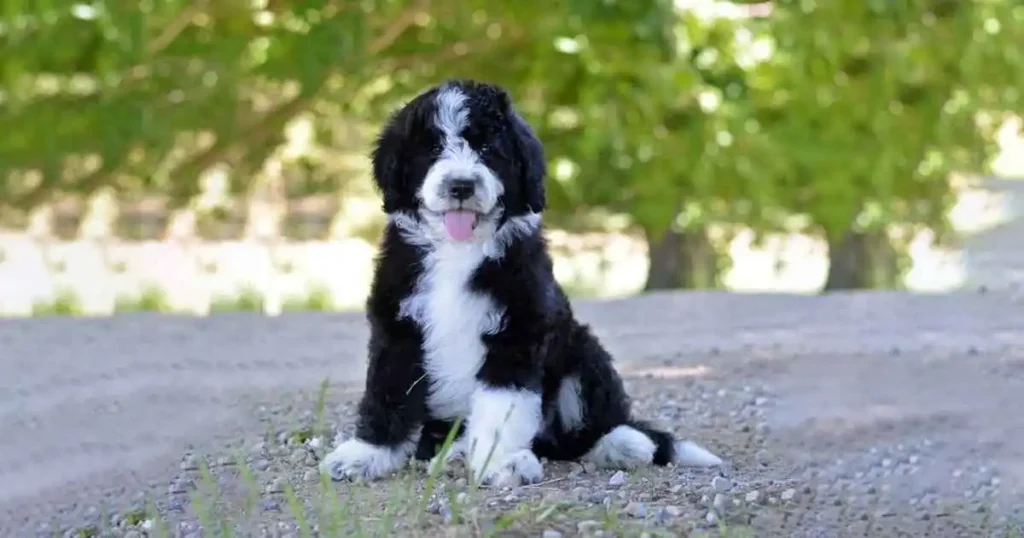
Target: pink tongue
x,y
460,224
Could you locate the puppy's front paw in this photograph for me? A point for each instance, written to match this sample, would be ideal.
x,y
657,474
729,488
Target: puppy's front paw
x,y
359,459
515,469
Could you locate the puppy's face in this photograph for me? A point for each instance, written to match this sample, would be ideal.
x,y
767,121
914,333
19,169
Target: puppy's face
x,y
461,160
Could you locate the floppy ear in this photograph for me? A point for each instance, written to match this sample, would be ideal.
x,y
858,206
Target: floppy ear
x,y
388,175
533,166
389,156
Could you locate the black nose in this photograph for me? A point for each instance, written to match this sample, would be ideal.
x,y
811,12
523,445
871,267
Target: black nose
x,y
460,189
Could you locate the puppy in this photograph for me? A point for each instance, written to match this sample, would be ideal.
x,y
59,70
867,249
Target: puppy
x,y
466,318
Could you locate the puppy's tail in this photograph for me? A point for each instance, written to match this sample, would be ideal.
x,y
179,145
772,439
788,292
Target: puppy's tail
x,y
669,450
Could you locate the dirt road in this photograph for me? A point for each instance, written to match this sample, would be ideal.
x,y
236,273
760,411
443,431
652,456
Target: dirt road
x,y
924,392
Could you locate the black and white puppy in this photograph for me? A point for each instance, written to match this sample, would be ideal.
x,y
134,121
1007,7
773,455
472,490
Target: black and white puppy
x,y
466,318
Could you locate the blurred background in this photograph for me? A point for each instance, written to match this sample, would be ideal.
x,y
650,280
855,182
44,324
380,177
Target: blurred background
x,y
211,155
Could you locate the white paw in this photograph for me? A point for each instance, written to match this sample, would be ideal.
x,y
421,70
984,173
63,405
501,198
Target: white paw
x,y
359,459
515,469
624,447
456,452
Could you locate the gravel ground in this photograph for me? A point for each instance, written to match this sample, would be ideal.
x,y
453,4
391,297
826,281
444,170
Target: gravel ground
x,y
876,414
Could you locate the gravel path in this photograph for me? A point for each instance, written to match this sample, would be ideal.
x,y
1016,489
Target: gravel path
x,y
847,413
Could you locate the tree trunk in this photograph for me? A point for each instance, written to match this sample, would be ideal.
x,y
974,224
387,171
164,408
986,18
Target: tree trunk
x,y
885,262
681,259
862,260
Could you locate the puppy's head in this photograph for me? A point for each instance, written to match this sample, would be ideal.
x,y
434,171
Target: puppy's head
x,y
459,159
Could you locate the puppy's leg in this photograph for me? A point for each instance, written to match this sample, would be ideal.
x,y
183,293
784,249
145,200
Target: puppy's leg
x,y
635,444
616,440
432,438
502,424
391,409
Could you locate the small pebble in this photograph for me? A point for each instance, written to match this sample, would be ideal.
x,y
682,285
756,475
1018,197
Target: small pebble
x,y
587,526
189,463
276,486
676,488
721,484
711,517
636,509
673,511
617,479
178,486
551,533
753,496
788,495
311,475
720,502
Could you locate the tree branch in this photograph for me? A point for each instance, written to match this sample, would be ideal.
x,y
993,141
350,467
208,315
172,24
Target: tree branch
x,y
397,28
276,119
174,29
453,51
259,130
255,133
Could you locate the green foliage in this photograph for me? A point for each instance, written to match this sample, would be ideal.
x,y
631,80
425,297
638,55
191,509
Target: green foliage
x,y
875,119
248,299
819,117
317,299
151,299
145,98
65,302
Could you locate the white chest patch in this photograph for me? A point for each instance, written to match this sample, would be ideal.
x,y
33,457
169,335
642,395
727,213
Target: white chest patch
x,y
452,319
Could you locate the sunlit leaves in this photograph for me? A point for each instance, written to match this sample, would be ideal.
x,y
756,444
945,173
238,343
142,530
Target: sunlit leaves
x,y
881,105
818,109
